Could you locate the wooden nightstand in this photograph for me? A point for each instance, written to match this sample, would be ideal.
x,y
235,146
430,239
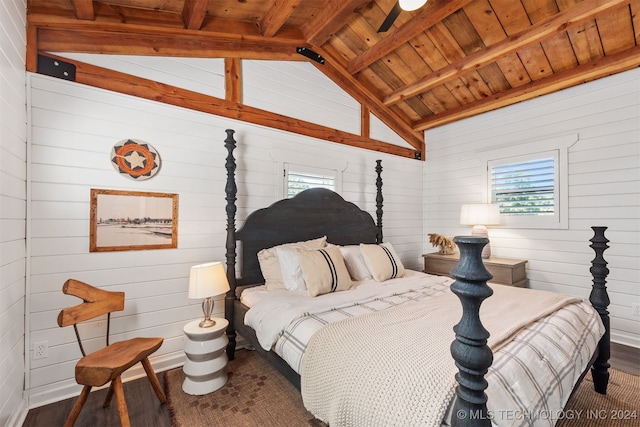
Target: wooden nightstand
x,y
506,271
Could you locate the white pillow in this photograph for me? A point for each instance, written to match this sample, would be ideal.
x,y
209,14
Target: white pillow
x,y
355,262
324,270
270,265
382,261
290,269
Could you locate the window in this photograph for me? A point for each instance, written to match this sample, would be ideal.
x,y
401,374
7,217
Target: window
x,y
299,171
528,179
530,189
525,187
298,178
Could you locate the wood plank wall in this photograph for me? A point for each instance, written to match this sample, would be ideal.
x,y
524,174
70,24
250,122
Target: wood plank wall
x,y
603,187
74,128
13,187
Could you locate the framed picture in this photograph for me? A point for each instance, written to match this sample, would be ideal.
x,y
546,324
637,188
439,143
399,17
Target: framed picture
x,y
132,220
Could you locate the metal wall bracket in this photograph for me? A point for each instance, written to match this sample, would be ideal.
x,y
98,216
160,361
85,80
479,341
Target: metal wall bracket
x,y
310,54
417,155
56,68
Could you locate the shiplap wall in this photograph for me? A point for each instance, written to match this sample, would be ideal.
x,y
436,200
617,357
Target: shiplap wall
x,y
74,128
603,187
264,88
13,208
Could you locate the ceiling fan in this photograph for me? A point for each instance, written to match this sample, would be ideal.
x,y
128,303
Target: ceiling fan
x,y
398,7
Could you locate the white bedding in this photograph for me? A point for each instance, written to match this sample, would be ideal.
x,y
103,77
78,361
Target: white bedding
x,y
272,311
524,381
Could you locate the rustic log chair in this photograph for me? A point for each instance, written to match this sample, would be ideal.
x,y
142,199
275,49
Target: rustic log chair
x,y
107,364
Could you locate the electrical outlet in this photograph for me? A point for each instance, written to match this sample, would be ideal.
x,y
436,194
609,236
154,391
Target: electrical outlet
x,y
636,309
40,350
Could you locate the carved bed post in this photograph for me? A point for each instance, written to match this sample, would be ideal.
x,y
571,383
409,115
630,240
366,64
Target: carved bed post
x,y
600,301
470,350
379,200
231,190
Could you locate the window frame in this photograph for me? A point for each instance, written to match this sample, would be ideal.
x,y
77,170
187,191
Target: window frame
x,y
533,220
539,149
303,160
311,170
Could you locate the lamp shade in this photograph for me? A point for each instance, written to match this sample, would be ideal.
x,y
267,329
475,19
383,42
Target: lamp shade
x,y
480,214
411,4
207,280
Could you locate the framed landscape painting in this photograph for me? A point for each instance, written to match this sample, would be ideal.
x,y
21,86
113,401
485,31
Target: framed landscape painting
x,y
132,220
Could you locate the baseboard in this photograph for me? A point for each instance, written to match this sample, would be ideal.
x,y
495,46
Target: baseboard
x,y
55,392
625,339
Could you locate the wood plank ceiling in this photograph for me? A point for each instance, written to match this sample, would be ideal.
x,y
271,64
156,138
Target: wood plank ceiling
x,y
448,60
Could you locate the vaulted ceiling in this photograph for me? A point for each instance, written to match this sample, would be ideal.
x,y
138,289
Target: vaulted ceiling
x,y
448,60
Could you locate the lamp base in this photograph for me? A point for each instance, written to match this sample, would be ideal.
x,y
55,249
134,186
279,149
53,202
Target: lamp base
x,y
207,323
481,231
207,309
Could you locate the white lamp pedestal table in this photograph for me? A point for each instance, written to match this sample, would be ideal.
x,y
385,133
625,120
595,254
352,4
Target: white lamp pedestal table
x,y
206,357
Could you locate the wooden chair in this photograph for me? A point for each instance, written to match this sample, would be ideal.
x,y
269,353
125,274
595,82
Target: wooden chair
x,y
106,365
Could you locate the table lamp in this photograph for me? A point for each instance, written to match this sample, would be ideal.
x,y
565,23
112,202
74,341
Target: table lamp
x,y
206,281
480,215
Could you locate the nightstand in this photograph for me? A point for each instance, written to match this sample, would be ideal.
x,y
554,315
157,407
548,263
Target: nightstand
x,y
505,271
206,357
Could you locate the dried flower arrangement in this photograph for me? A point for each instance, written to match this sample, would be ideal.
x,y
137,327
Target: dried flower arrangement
x,y
446,244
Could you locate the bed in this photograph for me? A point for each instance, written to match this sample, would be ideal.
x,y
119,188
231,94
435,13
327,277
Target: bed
x,y
369,342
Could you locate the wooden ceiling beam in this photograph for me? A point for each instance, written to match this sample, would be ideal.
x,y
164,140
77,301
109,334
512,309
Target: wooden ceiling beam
x,y
353,87
599,68
581,12
31,57
432,13
115,81
195,45
275,17
164,36
135,21
333,16
218,38
193,13
233,80
83,9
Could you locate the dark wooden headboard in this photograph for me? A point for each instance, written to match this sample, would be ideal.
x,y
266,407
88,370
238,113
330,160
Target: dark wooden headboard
x,y
311,214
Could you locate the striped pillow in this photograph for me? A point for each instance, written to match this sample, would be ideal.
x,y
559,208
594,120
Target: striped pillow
x,y
270,264
382,261
324,270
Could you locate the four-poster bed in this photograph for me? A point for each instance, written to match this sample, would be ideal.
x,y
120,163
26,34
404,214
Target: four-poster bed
x,y
320,220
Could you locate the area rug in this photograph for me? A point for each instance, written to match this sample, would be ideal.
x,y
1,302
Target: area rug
x,y
257,395
619,407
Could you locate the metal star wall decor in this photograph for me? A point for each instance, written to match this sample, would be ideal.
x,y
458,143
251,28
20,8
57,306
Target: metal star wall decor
x,y
135,159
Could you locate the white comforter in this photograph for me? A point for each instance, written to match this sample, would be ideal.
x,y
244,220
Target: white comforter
x,y
272,311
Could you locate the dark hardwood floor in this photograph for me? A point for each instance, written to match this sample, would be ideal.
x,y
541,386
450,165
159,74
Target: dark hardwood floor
x,y
146,410
143,405
624,358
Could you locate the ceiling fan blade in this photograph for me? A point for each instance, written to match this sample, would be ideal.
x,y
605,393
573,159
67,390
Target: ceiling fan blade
x,y
390,19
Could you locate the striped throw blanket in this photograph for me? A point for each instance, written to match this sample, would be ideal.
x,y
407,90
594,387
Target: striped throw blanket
x,y
394,368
